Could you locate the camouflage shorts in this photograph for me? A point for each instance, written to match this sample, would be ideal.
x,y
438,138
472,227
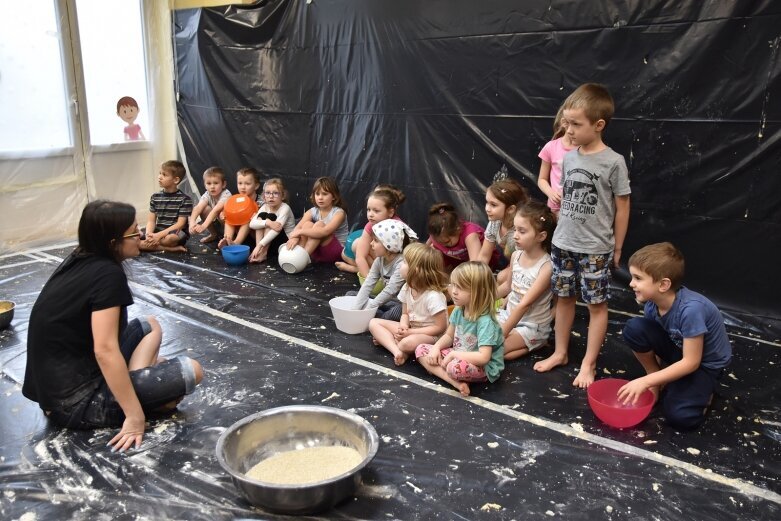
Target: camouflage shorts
x,y
591,270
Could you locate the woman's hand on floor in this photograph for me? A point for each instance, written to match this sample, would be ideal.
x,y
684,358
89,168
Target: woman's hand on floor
x,y
131,434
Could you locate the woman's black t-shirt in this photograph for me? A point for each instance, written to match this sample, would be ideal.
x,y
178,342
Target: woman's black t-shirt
x,y
61,365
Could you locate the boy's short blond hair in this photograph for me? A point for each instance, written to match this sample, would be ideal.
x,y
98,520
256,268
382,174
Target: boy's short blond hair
x,y
214,171
175,169
661,261
595,101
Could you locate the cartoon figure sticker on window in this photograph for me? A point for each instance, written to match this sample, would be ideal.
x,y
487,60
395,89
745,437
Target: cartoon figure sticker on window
x,y
127,110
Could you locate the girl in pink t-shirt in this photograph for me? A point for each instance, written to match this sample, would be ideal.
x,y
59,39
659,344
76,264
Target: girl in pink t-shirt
x,y
459,241
552,155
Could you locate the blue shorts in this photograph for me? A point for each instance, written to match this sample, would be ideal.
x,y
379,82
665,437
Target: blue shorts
x,y
591,271
348,245
155,386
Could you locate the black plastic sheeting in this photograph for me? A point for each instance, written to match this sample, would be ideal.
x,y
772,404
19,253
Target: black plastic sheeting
x,y
526,447
435,96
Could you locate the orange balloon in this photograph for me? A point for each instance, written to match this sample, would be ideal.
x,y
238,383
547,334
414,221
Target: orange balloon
x,y
239,210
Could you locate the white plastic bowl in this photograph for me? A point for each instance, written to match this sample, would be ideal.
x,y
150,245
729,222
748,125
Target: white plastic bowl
x,y
293,261
349,320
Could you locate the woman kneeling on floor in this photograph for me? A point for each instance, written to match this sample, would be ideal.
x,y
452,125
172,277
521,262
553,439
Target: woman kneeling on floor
x,y
87,366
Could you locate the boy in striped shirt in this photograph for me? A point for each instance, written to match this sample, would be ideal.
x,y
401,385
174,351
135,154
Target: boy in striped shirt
x,y
169,210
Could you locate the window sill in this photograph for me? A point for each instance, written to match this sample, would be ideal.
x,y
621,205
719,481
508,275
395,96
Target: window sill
x,y
125,146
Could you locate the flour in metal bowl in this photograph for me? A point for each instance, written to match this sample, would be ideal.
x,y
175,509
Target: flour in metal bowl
x,y
308,465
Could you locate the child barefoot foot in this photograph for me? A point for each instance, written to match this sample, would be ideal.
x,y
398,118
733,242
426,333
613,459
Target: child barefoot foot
x,y
223,242
349,268
209,238
399,358
585,376
554,360
374,341
463,388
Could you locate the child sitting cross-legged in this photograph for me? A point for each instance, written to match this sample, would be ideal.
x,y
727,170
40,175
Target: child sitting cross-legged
x,y
423,304
472,348
166,227
680,341
210,205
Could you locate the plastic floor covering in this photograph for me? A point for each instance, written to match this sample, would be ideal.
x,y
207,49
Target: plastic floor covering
x,y
526,447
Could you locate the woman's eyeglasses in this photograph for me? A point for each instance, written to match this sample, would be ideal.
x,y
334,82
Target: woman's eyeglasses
x,y
137,233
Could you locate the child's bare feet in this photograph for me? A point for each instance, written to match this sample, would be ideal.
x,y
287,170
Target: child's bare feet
x,y
374,341
463,388
586,376
399,358
554,360
209,238
349,268
223,242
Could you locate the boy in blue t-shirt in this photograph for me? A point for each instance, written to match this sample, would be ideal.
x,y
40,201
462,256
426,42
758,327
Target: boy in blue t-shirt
x,y
680,329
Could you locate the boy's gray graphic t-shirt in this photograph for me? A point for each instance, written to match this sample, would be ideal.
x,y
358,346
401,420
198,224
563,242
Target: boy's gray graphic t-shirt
x,y
589,182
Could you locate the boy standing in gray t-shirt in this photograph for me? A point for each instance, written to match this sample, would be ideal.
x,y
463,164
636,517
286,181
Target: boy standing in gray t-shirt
x,y
592,226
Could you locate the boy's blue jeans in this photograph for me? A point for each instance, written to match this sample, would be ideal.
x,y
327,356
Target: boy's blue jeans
x,y
683,401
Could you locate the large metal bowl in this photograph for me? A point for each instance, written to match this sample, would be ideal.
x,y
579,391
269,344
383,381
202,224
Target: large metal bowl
x,y
261,435
6,313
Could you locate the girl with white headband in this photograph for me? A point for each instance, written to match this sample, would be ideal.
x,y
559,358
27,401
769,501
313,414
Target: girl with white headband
x,y
389,238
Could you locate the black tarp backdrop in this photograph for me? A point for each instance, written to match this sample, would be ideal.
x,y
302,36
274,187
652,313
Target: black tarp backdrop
x,y
435,96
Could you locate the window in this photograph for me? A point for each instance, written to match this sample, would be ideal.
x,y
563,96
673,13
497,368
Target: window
x,y
33,95
112,51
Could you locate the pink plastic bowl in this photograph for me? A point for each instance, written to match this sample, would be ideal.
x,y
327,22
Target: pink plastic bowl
x,y
603,399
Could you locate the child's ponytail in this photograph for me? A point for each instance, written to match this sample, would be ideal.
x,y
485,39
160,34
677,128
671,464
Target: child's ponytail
x,y
443,220
541,219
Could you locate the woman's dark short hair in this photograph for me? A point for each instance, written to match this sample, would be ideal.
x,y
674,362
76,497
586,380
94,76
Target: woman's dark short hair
x,y
102,226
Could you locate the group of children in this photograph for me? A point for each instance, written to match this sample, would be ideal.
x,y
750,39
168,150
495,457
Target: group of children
x,y
507,282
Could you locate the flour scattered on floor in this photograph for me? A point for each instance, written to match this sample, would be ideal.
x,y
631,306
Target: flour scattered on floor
x,y
415,489
490,506
161,428
693,451
330,397
492,444
577,426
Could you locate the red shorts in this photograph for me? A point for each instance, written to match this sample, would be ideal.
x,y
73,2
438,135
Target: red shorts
x,y
331,252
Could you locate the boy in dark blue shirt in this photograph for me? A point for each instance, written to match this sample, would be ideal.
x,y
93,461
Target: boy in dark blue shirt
x,y
680,330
